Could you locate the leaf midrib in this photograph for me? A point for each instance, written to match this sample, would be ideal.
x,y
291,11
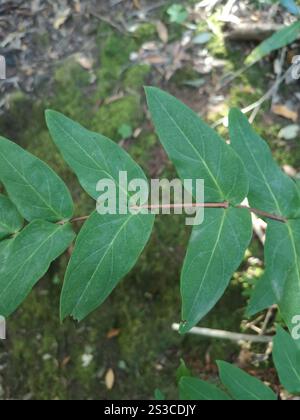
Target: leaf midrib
x,y
292,366
293,241
29,258
48,206
193,147
260,171
110,246
60,127
210,261
244,388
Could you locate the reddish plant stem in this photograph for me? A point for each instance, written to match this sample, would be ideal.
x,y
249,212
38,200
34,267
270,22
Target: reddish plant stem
x,y
79,219
264,214
224,205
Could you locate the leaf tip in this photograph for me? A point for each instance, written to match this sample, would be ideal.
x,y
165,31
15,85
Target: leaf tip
x,y
184,327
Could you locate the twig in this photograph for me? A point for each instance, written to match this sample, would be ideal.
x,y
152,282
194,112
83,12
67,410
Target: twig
x,y
74,220
224,205
149,9
79,219
225,335
264,214
275,87
268,95
268,318
108,21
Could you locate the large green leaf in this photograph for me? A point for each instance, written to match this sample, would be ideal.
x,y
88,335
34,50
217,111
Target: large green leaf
x,y
242,386
108,245
270,189
216,250
158,395
262,297
90,155
33,187
282,252
291,6
182,371
107,248
196,150
193,389
279,40
286,356
28,259
5,247
10,219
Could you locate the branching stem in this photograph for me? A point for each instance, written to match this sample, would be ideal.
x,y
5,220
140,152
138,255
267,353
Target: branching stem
x,y
224,205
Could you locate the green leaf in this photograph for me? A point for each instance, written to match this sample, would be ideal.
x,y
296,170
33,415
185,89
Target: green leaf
x,y
291,6
286,356
279,40
242,386
262,297
193,389
216,250
90,155
282,252
10,219
177,13
28,259
5,247
107,248
182,371
108,245
125,131
196,150
33,187
270,189
158,395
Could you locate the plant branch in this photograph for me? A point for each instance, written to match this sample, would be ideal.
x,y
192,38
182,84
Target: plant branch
x,y
79,219
224,205
226,335
264,214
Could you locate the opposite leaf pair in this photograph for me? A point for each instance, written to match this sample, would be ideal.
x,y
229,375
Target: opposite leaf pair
x,y
108,246
39,196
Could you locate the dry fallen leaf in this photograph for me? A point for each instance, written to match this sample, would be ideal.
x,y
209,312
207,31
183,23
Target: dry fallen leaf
x,y
290,171
110,379
162,31
77,6
285,112
61,18
156,59
66,361
113,333
137,4
290,132
85,62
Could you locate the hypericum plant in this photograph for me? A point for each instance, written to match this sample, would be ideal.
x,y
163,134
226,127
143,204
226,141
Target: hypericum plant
x,y
108,246
239,385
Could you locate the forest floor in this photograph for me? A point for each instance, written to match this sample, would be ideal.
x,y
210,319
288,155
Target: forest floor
x,y
91,61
